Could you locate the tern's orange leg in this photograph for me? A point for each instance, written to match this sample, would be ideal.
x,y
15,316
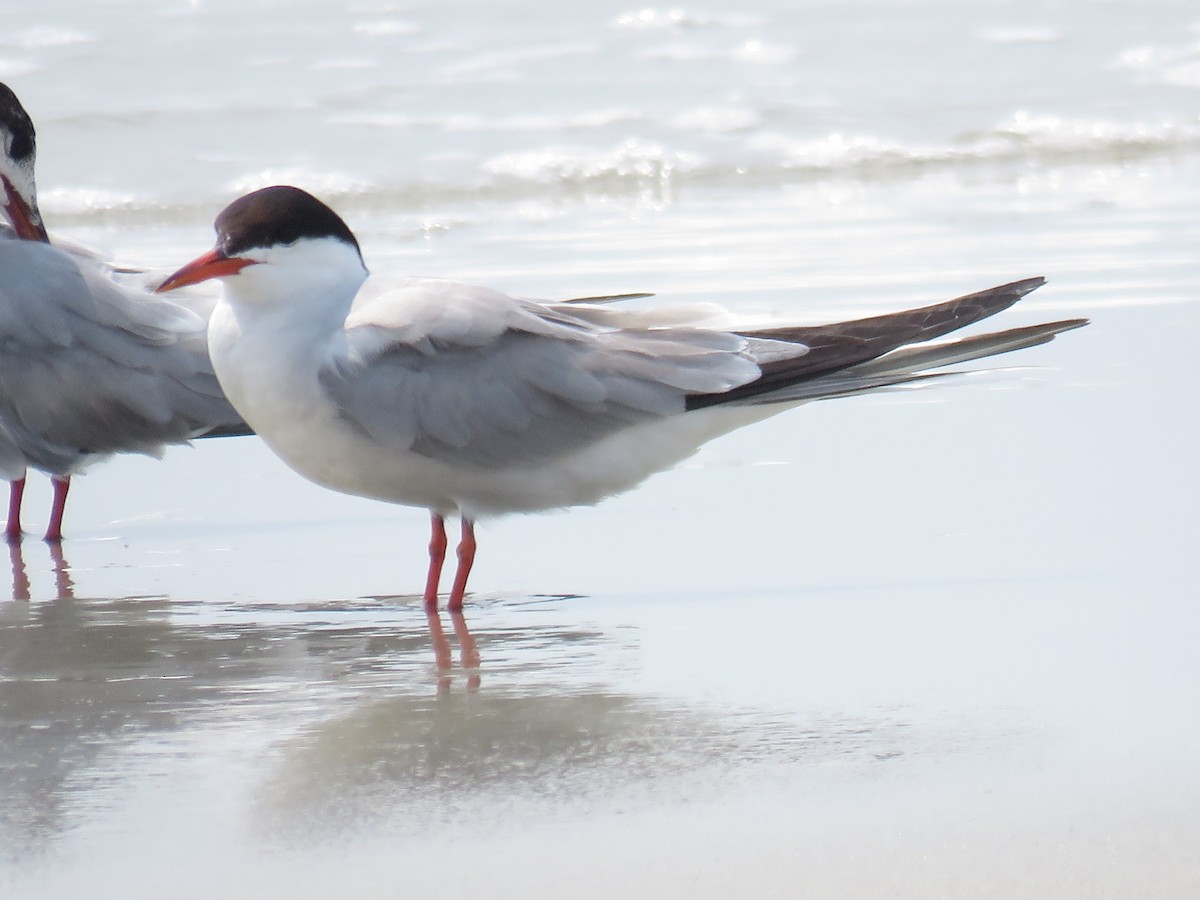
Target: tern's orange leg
x,y
466,558
437,555
54,529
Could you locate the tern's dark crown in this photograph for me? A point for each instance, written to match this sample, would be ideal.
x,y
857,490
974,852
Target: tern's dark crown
x,y
277,216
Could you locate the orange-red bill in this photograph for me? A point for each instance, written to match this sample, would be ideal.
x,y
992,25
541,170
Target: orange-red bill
x,y
213,264
26,223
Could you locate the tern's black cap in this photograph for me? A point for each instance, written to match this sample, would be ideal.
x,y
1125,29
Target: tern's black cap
x,y
277,216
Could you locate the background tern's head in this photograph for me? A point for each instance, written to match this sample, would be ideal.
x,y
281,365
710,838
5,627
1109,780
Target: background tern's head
x,y
18,190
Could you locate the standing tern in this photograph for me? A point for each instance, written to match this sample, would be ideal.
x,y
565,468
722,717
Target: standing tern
x,y
89,365
466,401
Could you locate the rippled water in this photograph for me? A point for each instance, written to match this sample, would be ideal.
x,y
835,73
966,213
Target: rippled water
x,y
924,642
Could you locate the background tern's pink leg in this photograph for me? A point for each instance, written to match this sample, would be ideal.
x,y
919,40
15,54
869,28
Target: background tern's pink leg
x,y
466,558
54,529
437,555
16,490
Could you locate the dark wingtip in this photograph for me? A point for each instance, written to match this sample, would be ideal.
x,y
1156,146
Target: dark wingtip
x,y
841,345
994,299
1069,324
1025,285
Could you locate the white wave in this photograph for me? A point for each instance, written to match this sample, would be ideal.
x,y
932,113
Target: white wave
x,y
1021,35
1024,137
833,151
461,122
40,37
753,50
385,28
1048,134
718,119
11,68
320,182
62,201
632,159
652,172
759,51
1172,64
385,7
357,63
509,62
650,19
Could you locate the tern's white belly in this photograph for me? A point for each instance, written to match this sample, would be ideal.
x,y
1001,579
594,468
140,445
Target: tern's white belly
x,y
275,386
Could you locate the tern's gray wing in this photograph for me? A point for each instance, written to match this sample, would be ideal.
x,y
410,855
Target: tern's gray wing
x,y
88,367
468,375
472,376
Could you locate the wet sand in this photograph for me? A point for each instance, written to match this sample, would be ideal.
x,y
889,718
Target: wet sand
x,y
800,665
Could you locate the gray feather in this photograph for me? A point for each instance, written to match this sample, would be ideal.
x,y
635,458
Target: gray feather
x,y
88,367
498,382
535,391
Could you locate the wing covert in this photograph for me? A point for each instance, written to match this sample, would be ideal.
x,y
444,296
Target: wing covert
x,y
503,382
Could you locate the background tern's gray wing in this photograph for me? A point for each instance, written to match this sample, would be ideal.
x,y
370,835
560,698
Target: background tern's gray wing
x,y
471,376
12,457
89,367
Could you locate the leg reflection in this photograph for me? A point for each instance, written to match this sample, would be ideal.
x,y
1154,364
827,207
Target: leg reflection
x,y
63,584
22,585
441,649
468,650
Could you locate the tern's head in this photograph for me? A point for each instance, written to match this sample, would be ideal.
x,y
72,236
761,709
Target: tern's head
x,y
277,244
18,190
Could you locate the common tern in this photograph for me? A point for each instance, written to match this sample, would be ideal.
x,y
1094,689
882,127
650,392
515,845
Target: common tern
x,y
464,400
90,364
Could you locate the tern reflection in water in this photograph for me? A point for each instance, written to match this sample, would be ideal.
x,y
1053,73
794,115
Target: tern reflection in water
x,y
357,711
476,754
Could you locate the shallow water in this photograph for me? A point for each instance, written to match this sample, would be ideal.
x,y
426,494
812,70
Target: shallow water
x,y
936,641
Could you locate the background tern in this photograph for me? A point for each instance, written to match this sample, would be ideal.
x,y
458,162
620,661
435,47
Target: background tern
x,y
91,363
466,401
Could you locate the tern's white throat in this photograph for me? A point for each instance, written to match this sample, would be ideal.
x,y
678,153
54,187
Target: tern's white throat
x,y
312,277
